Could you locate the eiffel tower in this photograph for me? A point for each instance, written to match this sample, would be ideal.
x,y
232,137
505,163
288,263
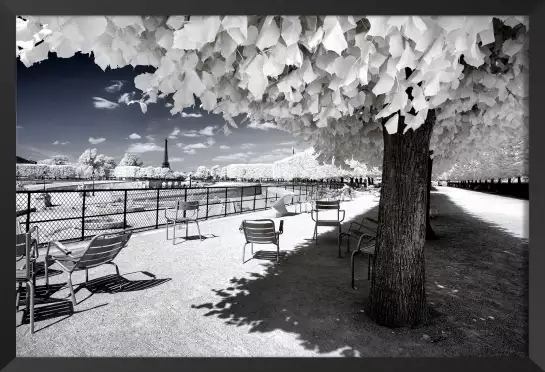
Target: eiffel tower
x,y
165,161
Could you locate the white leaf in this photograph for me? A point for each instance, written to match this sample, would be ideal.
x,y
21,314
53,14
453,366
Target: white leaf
x,y
376,60
379,26
334,39
37,54
487,36
294,56
307,72
384,85
236,27
362,74
291,29
175,22
419,100
209,100
407,59
419,23
396,44
366,47
91,27
269,34
252,32
451,23
511,47
392,124
257,82
316,39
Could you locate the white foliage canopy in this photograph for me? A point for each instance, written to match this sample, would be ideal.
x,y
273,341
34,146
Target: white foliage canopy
x,y
332,80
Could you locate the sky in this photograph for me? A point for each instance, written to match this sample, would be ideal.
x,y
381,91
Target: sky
x,y
65,106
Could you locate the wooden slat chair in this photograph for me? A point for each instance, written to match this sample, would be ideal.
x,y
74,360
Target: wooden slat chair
x,y
26,253
101,250
322,205
181,218
261,232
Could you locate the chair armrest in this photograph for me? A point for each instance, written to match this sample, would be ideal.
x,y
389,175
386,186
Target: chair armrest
x,y
312,214
241,227
344,214
372,220
59,246
281,228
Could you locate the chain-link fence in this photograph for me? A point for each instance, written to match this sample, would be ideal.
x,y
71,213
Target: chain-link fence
x,y
74,215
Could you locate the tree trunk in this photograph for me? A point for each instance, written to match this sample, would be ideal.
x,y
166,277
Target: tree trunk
x,y
430,234
398,294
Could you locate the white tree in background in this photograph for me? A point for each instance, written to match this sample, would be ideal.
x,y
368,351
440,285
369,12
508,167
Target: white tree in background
x,y
378,89
202,173
131,160
56,160
215,171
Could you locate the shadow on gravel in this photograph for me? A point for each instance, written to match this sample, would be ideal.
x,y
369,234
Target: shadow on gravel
x,y
478,288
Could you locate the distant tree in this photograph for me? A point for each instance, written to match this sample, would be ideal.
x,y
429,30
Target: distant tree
x,y
131,160
215,171
202,173
55,160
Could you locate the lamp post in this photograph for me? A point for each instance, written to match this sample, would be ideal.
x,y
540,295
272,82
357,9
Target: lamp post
x,y
93,178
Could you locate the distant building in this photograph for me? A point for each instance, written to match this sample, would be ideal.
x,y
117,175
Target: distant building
x,y
20,160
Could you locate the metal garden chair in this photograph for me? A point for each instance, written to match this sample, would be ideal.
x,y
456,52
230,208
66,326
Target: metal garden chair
x,y
322,205
26,254
261,232
175,218
101,250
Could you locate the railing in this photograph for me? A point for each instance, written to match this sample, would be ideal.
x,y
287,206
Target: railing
x,y
73,215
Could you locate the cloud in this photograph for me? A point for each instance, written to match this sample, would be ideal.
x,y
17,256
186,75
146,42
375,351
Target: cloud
x,y
190,152
175,160
168,104
18,127
64,143
115,87
233,157
289,143
180,144
174,133
185,115
95,141
196,146
211,142
224,147
141,147
134,136
247,146
126,98
207,131
101,103
264,126
150,137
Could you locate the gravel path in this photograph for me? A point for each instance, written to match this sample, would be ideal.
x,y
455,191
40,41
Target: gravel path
x,y
205,302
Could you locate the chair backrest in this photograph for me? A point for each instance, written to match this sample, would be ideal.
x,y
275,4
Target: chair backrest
x,y
103,248
259,231
23,244
327,205
187,205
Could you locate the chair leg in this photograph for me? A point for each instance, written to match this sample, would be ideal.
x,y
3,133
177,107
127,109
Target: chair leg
x,y
31,285
166,225
72,294
46,274
243,251
186,229
339,241
252,248
352,265
86,275
277,252
199,230
18,296
174,234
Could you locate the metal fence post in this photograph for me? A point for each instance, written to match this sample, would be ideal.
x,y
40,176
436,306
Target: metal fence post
x,y
157,211
207,197
255,196
28,214
241,198
185,198
266,196
125,211
83,216
225,201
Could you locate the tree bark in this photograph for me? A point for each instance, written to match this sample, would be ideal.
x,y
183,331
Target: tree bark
x,y
430,234
398,294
